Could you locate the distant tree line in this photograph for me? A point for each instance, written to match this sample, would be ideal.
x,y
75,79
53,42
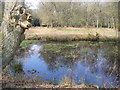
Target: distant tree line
x,y
80,14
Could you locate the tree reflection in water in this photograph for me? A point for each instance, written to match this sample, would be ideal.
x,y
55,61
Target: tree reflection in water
x,y
82,62
100,58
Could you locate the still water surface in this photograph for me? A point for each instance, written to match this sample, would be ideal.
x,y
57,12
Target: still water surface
x,y
81,62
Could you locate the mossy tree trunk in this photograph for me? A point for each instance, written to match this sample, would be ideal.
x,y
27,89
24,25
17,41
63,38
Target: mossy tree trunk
x,y
11,33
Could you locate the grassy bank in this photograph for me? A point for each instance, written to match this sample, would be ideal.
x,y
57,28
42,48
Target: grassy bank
x,y
72,34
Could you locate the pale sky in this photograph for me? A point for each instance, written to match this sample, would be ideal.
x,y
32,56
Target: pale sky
x,y
34,3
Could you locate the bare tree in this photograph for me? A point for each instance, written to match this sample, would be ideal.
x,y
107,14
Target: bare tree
x,y
69,14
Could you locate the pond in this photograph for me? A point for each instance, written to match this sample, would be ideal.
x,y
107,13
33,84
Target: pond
x,y
93,63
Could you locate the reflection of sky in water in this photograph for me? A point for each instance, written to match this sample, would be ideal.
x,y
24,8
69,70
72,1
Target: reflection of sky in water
x,y
38,64
81,70
35,49
97,78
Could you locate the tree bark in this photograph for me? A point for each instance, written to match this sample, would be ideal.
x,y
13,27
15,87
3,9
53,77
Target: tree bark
x,y
11,33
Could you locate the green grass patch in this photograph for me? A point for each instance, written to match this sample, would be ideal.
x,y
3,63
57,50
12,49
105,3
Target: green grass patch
x,y
26,43
18,67
69,29
95,44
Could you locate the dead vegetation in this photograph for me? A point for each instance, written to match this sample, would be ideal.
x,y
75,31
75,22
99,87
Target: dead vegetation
x,y
10,82
72,34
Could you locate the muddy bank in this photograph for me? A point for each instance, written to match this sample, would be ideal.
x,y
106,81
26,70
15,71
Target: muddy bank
x,y
9,82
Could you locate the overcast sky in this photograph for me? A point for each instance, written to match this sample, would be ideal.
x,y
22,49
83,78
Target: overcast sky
x,y
34,3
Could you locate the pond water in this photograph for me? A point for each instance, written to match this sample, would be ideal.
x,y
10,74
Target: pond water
x,y
93,63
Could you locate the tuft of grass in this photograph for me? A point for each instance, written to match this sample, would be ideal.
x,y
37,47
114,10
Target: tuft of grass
x,y
65,81
18,67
